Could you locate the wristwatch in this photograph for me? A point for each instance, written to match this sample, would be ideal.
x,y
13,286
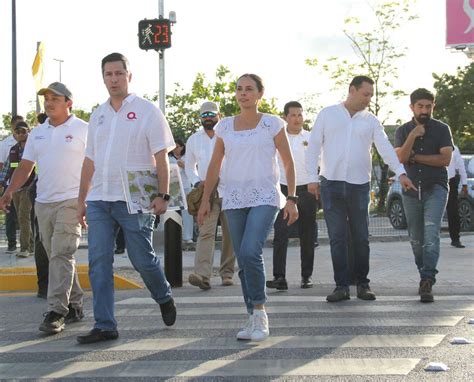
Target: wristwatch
x,y
164,196
293,199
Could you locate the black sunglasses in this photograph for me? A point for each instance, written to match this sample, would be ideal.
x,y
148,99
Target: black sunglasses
x,y
208,114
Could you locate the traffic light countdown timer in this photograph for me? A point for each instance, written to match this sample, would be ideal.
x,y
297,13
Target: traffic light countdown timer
x,y
154,34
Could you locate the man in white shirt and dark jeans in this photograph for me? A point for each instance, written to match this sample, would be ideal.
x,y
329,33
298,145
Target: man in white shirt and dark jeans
x,y
199,149
343,135
306,223
126,131
57,147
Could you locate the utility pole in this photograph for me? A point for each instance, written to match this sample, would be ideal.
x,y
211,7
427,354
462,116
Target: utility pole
x,y
60,62
14,71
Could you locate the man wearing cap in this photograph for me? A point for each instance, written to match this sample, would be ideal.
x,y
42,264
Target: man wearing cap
x,y
57,147
21,199
10,217
126,131
199,150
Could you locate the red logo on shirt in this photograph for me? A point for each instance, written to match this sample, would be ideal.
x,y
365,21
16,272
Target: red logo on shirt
x,y
131,115
69,138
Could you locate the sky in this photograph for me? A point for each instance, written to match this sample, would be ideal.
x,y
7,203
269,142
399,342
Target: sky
x,y
269,37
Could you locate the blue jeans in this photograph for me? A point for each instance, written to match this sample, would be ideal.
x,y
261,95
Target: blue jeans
x,y
424,222
104,219
345,203
249,228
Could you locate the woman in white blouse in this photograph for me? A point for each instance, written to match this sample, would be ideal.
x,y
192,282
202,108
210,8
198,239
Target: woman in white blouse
x,y
251,197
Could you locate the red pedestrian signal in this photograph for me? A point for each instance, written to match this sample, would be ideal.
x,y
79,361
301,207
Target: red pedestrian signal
x,y
154,34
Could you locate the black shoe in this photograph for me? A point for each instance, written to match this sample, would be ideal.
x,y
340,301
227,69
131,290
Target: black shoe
x,y
97,335
75,314
306,282
53,323
278,283
42,294
364,292
425,291
457,244
339,294
11,248
168,312
119,251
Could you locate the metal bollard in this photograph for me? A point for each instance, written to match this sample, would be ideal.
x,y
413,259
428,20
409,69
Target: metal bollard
x,y
173,253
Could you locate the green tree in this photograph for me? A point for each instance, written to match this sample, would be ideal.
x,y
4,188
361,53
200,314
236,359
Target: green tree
x,y
455,105
376,55
6,118
182,107
83,114
30,118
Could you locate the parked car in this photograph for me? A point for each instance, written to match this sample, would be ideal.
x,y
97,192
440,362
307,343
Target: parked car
x,y
396,213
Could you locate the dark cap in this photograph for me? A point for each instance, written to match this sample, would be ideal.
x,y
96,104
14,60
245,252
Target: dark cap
x,y
22,126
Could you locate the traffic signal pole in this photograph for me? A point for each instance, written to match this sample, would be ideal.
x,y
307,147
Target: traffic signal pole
x,y
172,230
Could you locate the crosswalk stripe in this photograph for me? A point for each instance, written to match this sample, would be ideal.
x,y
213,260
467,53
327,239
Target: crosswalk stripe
x,y
313,308
287,322
276,298
212,368
227,343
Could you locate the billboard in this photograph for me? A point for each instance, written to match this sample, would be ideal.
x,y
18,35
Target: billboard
x,y
459,22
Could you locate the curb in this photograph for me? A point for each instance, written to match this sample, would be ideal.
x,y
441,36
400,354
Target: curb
x,y
25,279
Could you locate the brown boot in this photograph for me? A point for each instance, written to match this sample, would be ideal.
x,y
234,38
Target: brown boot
x,y
199,281
425,292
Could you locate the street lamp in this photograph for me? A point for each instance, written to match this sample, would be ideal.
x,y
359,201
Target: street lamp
x,y
60,62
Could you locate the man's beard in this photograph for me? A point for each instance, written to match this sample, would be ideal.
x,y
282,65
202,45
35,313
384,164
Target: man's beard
x,y
209,125
423,118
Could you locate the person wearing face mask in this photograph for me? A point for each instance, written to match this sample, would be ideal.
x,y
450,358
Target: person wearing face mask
x,y
199,150
343,135
425,145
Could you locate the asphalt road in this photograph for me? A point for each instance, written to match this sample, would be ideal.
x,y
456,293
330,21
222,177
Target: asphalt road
x,y
390,339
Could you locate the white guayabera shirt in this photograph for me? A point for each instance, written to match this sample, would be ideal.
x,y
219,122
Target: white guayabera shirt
x,y
298,145
345,144
126,138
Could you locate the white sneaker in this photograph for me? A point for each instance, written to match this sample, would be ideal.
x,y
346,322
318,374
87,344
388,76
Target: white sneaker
x,y
246,332
23,254
260,326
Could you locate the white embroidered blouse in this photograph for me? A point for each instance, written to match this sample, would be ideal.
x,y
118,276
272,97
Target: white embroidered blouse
x,y
250,169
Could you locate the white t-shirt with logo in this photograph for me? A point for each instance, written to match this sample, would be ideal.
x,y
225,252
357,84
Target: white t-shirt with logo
x,y
126,138
250,171
58,152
